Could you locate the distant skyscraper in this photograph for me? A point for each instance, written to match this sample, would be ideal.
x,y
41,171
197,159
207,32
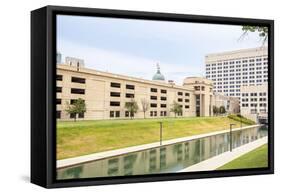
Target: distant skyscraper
x,y
231,70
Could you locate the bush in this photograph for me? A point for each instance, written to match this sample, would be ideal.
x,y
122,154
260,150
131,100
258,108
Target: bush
x,y
239,117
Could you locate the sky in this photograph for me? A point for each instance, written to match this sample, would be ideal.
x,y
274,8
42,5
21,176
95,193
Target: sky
x,y
134,47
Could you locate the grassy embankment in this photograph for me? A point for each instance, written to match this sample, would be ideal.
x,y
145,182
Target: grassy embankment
x,y
86,137
257,158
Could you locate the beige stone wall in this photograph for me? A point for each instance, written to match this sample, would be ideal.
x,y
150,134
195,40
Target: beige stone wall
x,y
230,103
254,101
98,88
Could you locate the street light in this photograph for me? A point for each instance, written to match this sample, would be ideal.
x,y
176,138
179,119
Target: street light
x,y
160,133
240,120
230,136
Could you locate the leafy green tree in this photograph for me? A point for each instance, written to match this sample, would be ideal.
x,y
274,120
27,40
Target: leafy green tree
x,y
262,30
176,108
222,110
215,110
132,107
78,107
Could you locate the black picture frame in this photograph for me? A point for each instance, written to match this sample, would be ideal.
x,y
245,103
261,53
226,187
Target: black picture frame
x,y
43,95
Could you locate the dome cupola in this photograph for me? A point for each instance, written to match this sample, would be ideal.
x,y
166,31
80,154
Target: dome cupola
x,y
158,76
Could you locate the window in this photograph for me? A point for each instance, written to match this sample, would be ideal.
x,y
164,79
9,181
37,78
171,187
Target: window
x,y
186,100
153,90
58,114
130,87
163,98
81,115
77,91
130,95
163,91
180,93
179,99
78,80
59,77
72,101
58,101
111,114
127,114
153,105
114,103
115,85
59,89
117,114
153,97
187,106
163,105
187,94
115,94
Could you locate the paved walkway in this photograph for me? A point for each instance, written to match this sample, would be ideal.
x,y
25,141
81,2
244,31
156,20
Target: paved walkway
x,y
218,161
107,154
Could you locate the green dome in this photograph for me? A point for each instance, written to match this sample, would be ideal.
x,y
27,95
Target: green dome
x,y
158,75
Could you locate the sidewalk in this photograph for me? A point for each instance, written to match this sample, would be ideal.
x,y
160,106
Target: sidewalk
x,y
218,161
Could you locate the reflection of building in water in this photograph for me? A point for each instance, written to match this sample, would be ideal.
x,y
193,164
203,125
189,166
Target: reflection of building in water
x,y
169,158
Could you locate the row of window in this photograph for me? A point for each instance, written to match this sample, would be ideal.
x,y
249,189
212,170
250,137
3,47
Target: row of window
x,y
73,79
71,116
118,85
72,90
236,66
253,99
244,77
254,94
253,105
238,61
72,101
219,73
116,114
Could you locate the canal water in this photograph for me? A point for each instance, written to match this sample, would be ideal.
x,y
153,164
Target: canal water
x,y
165,159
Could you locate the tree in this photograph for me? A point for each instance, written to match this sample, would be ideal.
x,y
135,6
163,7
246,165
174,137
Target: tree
x,y
176,108
215,110
78,107
145,106
222,110
132,107
262,30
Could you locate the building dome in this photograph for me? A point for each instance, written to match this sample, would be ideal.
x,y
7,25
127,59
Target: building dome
x,y
158,76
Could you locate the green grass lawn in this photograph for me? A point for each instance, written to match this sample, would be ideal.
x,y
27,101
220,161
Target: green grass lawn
x,y
257,158
86,137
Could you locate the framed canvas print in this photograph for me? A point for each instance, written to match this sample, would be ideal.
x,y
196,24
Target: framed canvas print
x,y
125,96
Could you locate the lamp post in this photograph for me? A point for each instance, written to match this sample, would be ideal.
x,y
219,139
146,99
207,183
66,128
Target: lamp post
x,y
230,136
160,133
240,120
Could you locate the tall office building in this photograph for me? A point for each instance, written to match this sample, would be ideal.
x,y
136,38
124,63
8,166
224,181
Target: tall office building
x,y
231,70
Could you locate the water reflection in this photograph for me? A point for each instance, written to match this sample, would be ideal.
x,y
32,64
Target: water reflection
x,y
163,159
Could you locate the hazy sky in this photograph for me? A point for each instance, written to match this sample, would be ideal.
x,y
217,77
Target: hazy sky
x,y
133,47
